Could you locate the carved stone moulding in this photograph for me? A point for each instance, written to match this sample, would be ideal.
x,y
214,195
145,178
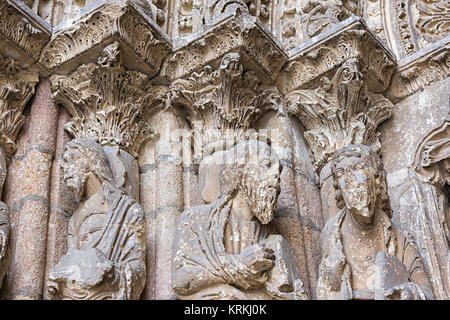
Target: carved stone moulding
x,y
23,34
237,32
420,70
327,51
74,42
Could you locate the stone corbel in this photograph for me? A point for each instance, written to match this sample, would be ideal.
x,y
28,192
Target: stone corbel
x,y
334,85
16,88
131,23
108,103
231,31
23,33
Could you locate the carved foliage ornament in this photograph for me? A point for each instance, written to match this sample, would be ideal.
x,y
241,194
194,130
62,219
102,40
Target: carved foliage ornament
x,y
16,88
18,29
102,24
106,102
339,112
228,99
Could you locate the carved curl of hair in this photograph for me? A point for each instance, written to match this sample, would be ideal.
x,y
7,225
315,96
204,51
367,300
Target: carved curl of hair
x,y
372,159
243,159
99,163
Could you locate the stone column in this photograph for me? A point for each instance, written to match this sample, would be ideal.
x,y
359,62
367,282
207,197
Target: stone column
x,y
62,202
169,201
28,260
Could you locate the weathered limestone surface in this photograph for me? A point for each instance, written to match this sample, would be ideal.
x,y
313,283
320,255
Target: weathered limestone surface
x,y
163,90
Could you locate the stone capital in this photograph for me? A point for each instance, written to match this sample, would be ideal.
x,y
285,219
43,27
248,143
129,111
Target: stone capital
x,y
232,31
76,41
107,102
334,84
223,102
16,88
23,33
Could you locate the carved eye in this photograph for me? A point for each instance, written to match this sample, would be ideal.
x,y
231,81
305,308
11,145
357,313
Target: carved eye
x,y
339,173
359,165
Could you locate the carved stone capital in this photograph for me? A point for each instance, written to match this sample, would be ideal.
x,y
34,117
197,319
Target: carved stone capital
x,y
328,51
334,84
223,102
16,88
74,42
23,34
107,101
421,70
236,32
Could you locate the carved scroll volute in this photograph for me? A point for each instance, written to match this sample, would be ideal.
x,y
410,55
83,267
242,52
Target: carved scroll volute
x,y
432,159
339,112
223,104
107,104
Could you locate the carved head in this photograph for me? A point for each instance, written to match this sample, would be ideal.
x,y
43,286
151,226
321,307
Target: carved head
x,y
360,181
253,168
81,158
230,65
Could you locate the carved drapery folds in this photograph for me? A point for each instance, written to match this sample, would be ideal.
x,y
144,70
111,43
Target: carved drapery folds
x,y
130,24
347,107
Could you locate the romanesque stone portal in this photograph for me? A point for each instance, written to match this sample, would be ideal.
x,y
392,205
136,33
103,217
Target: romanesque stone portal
x,y
197,149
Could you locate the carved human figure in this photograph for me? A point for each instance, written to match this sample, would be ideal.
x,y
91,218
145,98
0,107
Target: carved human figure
x,y
227,249
363,255
4,220
106,235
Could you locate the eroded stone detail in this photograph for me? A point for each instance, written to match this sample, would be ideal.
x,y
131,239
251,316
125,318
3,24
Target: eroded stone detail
x,y
431,162
226,249
339,112
107,102
130,23
224,103
106,237
21,30
363,255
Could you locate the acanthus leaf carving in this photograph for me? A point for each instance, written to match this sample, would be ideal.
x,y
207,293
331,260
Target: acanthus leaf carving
x,y
16,88
224,101
107,102
339,112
